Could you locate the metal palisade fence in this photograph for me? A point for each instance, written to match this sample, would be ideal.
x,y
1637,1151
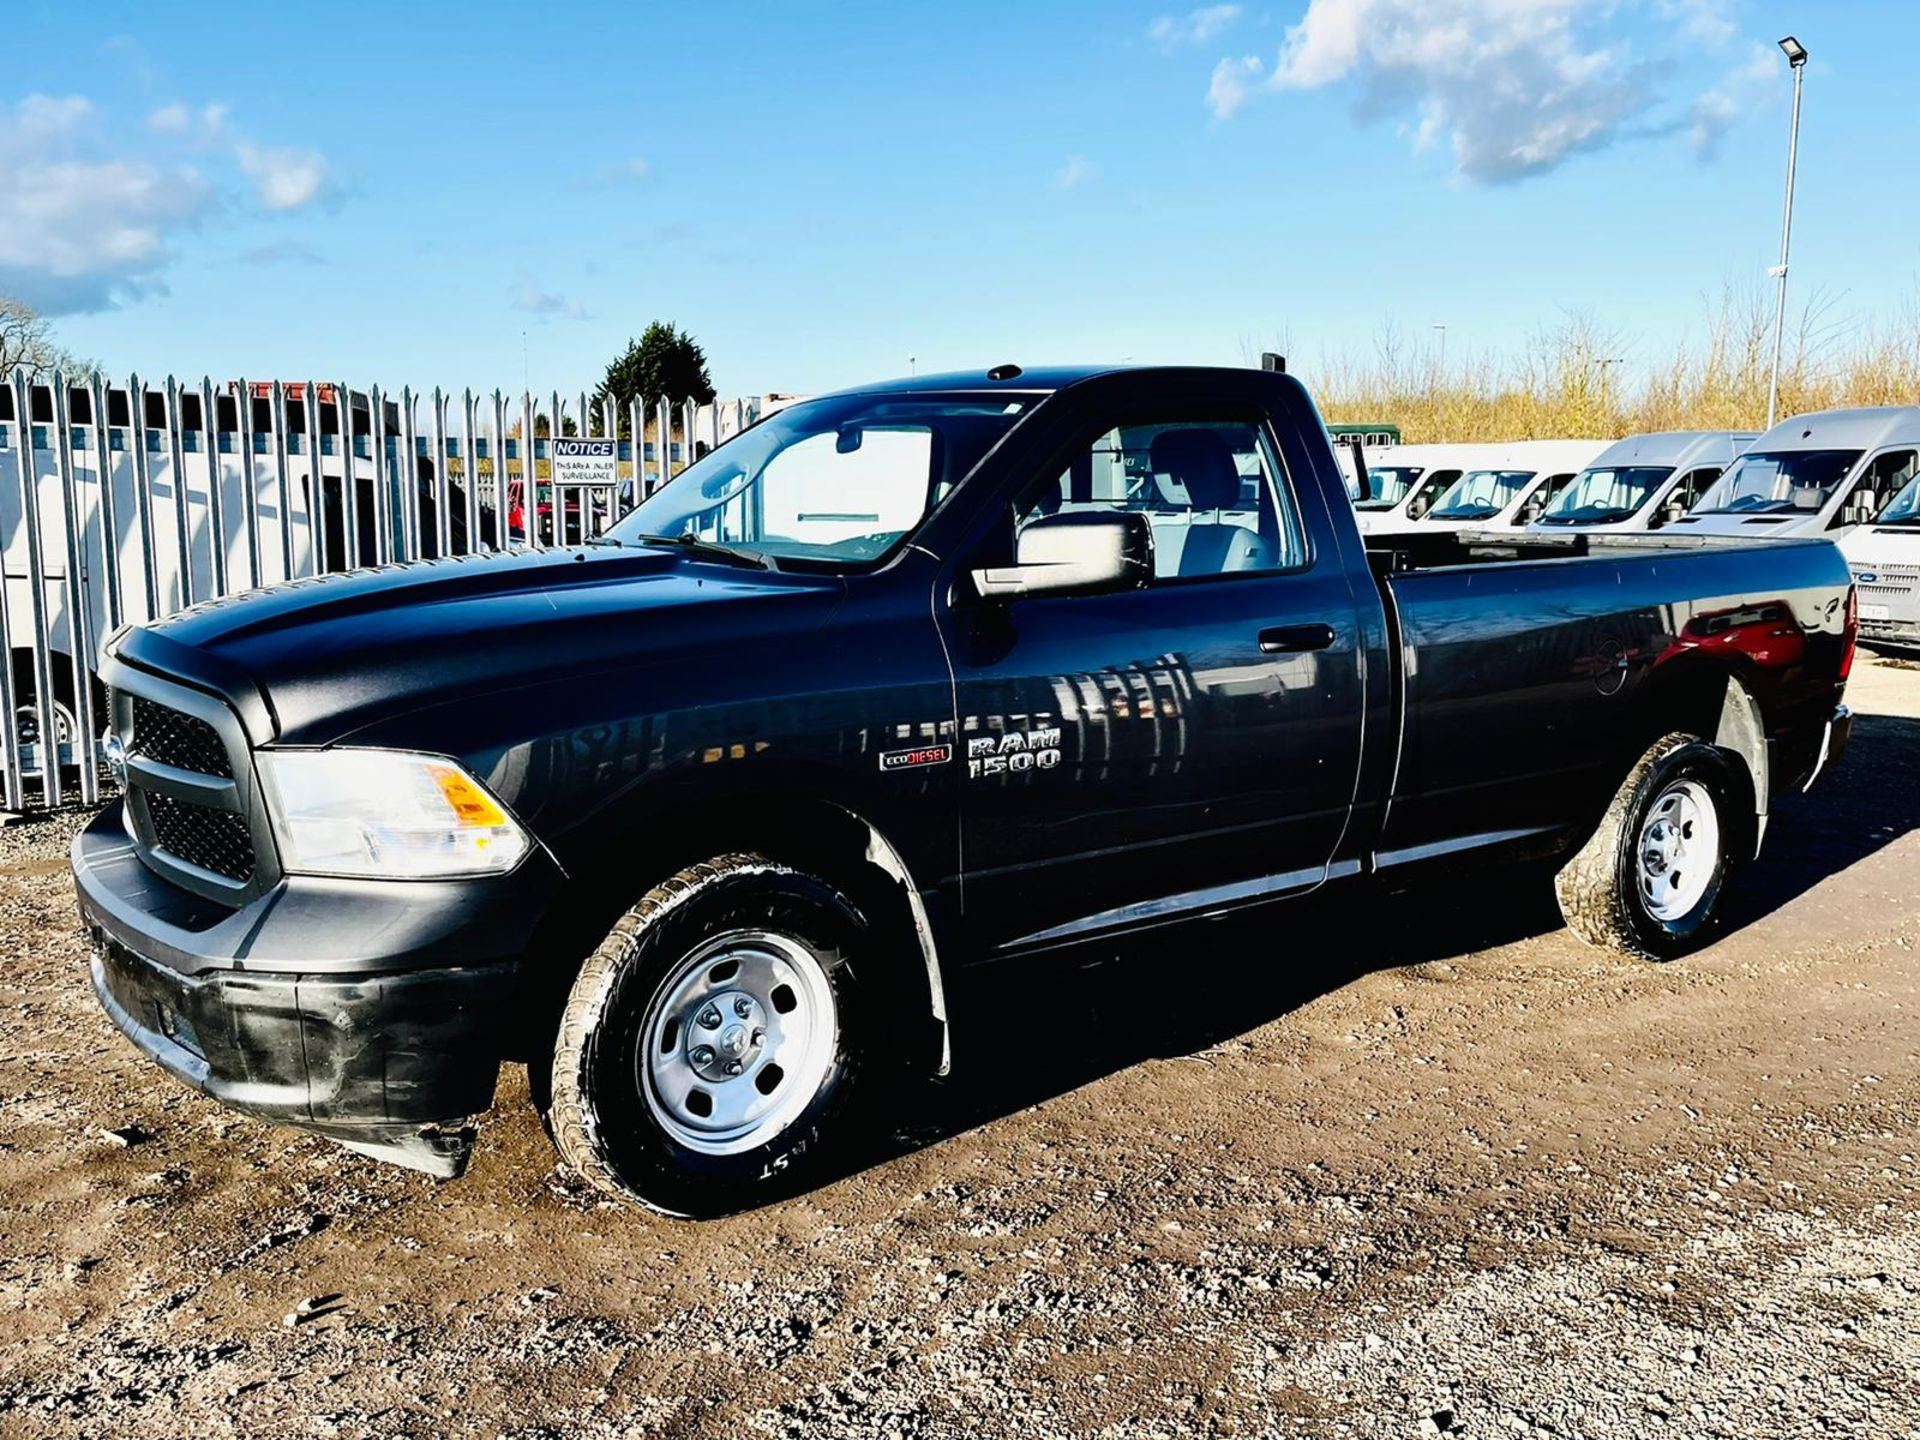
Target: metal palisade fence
x,y
123,503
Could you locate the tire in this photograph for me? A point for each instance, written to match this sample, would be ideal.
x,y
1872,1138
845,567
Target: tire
x,y
65,709
1650,881
738,962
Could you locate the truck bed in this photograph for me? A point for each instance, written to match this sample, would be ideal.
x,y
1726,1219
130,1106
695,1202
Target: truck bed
x,y
1404,551
1532,665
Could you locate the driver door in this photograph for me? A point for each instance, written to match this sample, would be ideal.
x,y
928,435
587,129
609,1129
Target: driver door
x,y
1164,750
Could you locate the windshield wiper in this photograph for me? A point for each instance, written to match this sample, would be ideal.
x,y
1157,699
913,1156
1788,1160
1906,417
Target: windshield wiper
x,y
712,550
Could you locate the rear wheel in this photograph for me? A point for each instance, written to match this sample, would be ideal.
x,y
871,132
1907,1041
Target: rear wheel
x,y
719,1044
1651,879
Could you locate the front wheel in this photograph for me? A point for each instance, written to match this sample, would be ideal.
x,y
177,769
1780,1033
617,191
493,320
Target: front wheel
x,y
1651,880
719,1042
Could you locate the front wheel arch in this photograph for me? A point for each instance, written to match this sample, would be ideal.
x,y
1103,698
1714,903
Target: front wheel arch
x,y
816,835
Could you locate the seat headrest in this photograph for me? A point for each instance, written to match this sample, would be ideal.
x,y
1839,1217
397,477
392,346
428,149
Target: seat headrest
x,y
1203,465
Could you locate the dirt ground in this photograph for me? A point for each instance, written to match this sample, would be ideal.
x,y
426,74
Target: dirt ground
x,y
1398,1168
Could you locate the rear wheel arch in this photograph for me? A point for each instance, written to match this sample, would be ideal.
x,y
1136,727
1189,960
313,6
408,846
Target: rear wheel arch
x,y
1713,699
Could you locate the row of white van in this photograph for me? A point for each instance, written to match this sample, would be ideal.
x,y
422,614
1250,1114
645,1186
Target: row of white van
x,y
1850,475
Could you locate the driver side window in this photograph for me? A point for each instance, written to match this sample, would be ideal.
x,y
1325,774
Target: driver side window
x,y
1211,492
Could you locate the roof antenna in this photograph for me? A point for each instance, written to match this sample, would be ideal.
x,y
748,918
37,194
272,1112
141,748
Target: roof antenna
x,y
1004,372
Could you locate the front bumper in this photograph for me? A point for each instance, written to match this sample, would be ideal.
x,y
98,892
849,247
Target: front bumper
x,y
372,1012
1901,634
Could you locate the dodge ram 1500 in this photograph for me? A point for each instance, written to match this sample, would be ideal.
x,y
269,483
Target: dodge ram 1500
x,y
698,818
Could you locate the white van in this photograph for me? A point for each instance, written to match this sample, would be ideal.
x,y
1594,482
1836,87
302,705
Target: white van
x,y
1405,480
1507,487
1818,474
1885,560
1643,482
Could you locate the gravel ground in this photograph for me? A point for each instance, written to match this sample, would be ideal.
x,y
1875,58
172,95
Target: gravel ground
x,y
1408,1167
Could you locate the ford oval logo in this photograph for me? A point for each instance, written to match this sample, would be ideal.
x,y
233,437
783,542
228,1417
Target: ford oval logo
x,y
1865,577
116,756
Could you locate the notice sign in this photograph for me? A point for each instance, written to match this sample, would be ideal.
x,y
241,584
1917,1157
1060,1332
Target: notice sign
x,y
585,462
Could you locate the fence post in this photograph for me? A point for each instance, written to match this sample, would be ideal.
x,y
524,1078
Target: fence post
x,y
410,546
283,475
143,494
37,596
216,483
316,484
442,487
349,482
500,471
177,477
382,485
249,485
12,782
79,629
106,508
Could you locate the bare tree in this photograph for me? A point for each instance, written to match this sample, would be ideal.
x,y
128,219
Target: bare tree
x,y
25,343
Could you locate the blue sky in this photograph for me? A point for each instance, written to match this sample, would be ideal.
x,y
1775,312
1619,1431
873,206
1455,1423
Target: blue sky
x,y
377,193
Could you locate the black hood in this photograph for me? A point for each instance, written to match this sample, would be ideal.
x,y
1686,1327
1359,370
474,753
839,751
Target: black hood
x,y
310,662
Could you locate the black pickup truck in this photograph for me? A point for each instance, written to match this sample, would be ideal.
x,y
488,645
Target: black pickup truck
x,y
698,819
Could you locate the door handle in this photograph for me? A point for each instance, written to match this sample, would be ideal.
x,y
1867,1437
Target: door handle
x,y
1291,639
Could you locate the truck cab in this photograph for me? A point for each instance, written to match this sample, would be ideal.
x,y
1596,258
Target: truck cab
x,y
1506,487
1884,558
1643,482
1823,473
1404,481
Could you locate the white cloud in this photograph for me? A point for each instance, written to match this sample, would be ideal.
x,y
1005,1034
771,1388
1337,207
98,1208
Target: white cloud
x,y
206,126
1231,81
622,172
1716,110
545,302
284,177
1076,172
174,119
1196,27
1512,87
88,214
1708,21
77,231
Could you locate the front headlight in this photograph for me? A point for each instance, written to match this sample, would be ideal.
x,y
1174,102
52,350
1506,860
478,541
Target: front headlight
x,y
385,813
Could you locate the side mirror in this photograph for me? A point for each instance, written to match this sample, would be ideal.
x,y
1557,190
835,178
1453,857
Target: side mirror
x,y
1078,554
1362,482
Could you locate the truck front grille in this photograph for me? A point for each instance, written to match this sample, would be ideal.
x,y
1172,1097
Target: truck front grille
x,y
215,840
190,796
175,738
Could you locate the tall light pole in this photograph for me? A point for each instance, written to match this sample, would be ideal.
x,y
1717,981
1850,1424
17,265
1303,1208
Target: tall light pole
x,y
1443,347
1796,54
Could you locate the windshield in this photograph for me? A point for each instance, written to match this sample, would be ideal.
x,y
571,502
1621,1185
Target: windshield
x,y
1903,508
1480,494
1390,484
838,481
1769,484
1605,494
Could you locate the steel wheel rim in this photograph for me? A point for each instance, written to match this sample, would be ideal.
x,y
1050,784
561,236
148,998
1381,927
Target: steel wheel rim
x,y
27,722
737,1040
1678,852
